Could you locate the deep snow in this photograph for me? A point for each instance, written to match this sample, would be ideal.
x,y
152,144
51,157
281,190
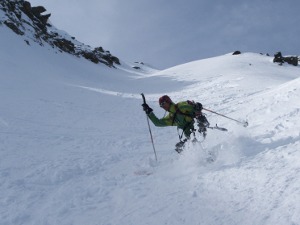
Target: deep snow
x,y
75,147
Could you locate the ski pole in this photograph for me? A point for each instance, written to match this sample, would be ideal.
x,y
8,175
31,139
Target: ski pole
x,y
144,100
245,123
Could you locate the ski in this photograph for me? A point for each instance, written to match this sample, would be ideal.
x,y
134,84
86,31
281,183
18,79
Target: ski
x,y
218,128
142,173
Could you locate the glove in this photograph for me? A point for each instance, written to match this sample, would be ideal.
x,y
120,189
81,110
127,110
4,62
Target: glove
x,y
147,109
198,106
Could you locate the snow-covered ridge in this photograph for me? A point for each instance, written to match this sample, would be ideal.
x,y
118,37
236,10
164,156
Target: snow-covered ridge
x,y
32,24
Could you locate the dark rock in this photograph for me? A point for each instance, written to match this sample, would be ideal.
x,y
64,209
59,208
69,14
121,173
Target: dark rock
x,y
99,49
13,27
27,7
38,10
44,18
236,53
16,20
90,56
278,58
65,45
115,60
293,60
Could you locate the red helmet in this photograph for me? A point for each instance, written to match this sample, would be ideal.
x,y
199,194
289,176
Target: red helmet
x,y
164,99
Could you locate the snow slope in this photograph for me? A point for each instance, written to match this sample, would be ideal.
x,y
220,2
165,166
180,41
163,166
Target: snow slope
x,y
75,147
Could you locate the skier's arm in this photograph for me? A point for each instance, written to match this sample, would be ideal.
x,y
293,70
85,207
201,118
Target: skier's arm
x,y
163,122
166,121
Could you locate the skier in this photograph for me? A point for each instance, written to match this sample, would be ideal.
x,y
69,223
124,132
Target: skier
x,y
181,115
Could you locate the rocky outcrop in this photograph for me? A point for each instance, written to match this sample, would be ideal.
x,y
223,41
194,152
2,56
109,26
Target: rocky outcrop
x,y
236,53
278,58
32,23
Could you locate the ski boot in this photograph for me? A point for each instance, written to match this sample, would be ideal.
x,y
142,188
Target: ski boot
x,y
202,124
180,145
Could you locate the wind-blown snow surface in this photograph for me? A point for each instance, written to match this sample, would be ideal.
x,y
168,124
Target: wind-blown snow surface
x,y
75,146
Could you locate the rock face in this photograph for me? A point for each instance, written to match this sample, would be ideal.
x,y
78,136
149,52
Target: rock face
x,y
236,53
31,23
278,58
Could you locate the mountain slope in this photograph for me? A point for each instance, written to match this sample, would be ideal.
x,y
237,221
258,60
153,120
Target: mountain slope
x,y
32,24
75,146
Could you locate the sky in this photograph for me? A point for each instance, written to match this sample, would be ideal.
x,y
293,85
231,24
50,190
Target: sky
x,y
168,33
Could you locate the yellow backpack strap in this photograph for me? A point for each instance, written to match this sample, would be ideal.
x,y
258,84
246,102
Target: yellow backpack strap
x,y
176,111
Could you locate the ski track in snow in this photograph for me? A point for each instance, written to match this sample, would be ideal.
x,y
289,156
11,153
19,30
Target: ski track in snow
x,y
75,146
